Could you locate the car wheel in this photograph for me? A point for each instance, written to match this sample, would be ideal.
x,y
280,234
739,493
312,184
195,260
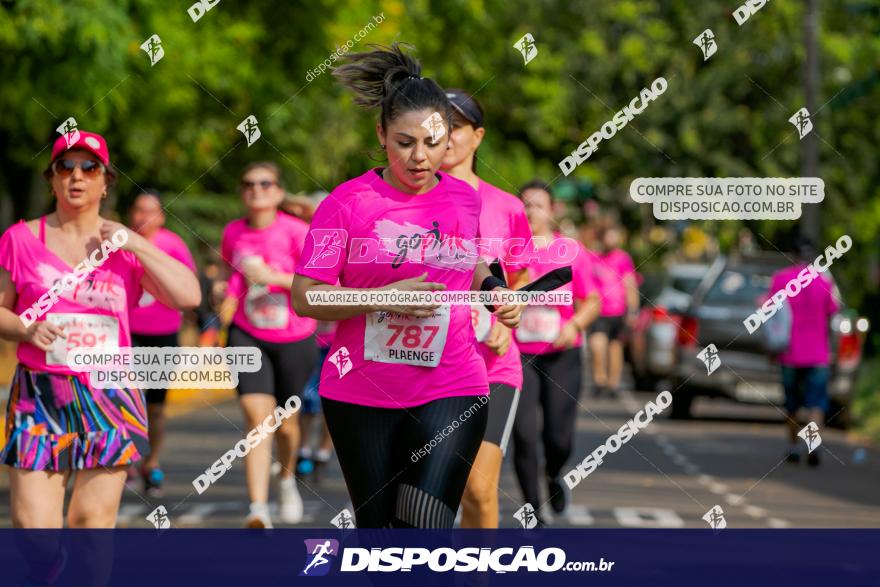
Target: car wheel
x,y
682,399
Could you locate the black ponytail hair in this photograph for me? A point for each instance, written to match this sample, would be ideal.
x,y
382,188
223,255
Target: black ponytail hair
x,y
389,79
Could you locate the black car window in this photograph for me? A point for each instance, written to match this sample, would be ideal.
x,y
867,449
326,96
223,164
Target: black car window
x,y
685,284
735,286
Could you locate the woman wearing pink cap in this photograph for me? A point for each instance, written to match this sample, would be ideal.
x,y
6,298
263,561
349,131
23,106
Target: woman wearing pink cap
x,y
404,388
56,423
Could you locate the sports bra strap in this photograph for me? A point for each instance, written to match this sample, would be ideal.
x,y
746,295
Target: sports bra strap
x,y
43,229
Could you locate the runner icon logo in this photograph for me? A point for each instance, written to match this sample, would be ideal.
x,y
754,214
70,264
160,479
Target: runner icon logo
x,y
526,46
69,131
329,245
706,42
159,518
153,48
319,554
810,434
715,518
802,122
249,129
526,516
434,125
343,520
709,356
342,360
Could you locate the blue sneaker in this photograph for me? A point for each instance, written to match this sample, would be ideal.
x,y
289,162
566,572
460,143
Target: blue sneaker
x,y
153,479
304,467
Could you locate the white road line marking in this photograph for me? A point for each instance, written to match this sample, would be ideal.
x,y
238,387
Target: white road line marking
x,y
705,479
777,523
129,511
647,518
579,515
718,488
198,512
733,499
754,511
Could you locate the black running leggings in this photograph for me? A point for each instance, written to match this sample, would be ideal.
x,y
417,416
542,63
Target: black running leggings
x,y
553,382
407,468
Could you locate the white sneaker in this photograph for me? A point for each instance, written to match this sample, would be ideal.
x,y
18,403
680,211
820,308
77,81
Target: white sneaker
x,y
258,516
290,502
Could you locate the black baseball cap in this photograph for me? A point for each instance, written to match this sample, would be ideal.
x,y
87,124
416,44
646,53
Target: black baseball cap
x,y
466,105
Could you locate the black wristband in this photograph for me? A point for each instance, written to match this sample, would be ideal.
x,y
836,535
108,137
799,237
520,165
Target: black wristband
x,y
489,284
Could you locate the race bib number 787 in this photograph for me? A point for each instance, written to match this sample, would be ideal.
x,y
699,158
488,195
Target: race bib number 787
x,y
400,339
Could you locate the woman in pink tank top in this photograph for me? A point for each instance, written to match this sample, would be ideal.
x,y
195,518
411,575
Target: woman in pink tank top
x,y
63,285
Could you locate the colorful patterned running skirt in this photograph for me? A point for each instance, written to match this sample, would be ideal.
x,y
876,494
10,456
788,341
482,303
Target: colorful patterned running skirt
x,y
59,423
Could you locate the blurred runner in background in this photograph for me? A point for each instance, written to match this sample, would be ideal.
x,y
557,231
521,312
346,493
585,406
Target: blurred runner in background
x,y
262,249
504,226
615,275
805,361
550,339
153,324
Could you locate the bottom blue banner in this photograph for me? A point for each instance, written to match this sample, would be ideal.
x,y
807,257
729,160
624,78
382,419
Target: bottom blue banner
x,y
326,557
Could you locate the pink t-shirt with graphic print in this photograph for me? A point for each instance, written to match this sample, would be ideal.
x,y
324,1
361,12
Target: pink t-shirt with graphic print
x,y
106,295
151,316
611,269
811,310
265,312
505,234
540,325
368,234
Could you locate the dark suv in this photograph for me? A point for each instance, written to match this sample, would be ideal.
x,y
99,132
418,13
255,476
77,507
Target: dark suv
x,y
733,288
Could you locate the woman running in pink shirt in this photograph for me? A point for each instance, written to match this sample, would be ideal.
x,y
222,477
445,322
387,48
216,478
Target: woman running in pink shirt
x,y
550,338
504,229
616,277
404,387
57,424
261,250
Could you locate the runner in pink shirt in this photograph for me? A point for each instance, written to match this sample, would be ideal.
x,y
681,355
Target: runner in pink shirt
x,y
261,251
153,324
616,277
503,228
56,423
404,386
550,339
804,363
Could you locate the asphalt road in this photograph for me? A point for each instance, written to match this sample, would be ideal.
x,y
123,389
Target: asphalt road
x,y
669,475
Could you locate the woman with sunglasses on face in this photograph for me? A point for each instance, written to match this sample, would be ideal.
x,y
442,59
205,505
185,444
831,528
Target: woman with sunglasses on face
x,y
503,228
549,338
57,424
404,387
261,250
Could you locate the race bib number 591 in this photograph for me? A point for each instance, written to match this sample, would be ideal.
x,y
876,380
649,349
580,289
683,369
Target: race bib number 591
x,y
82,330
400,339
